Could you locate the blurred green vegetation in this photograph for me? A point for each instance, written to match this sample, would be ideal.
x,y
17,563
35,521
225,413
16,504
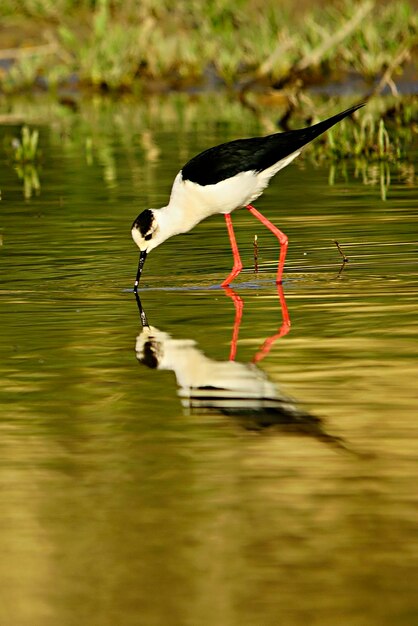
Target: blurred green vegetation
x,y
132,44
268,58
25,147
377,145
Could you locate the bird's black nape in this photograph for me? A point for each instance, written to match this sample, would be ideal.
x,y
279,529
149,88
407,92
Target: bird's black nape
x,y
142,259
144,223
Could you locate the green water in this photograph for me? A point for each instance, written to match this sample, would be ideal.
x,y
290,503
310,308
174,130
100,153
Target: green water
x,y
124,502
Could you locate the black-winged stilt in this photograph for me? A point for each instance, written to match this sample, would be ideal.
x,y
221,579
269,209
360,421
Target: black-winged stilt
x,y
221,179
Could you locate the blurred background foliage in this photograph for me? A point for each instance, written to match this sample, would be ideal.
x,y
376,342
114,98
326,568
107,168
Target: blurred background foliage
x,y
137,44
279,64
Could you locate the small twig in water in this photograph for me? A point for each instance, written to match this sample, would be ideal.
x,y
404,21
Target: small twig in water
x,y
255,255
345,259
340,271
340,250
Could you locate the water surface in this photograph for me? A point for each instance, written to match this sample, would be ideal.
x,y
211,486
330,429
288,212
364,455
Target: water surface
x,y
125,500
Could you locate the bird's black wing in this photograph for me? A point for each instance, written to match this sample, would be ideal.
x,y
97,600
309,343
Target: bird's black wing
x,y
254,154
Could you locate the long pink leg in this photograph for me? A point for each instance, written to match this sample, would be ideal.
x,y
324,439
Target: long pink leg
x,y
237,259
280,236
283,330
239,306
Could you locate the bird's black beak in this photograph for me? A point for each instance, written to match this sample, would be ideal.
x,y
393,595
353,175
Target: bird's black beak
x,y
142,257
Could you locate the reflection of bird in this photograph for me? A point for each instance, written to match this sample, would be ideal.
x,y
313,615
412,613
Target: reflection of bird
x,y
200,378
220,180
228,387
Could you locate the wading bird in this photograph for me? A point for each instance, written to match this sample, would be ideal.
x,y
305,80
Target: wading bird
x,y
220,180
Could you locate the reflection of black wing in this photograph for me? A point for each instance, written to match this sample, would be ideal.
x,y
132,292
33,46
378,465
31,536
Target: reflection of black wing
x,y
262,415
242,403
255,154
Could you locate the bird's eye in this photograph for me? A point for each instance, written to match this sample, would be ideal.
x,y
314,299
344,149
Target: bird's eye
x,y
148,237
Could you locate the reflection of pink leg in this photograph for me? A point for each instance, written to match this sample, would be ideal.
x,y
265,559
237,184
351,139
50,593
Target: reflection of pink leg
x,y
239,306
237,259
284,329
280,236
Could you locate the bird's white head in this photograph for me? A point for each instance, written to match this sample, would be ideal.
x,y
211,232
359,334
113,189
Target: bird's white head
x,y
150,229
146,231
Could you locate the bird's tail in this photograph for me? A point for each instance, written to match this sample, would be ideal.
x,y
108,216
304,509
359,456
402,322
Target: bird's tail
x,y
325,124
304,135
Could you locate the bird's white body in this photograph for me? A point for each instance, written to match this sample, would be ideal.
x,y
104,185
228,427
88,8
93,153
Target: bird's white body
x,y
225,196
